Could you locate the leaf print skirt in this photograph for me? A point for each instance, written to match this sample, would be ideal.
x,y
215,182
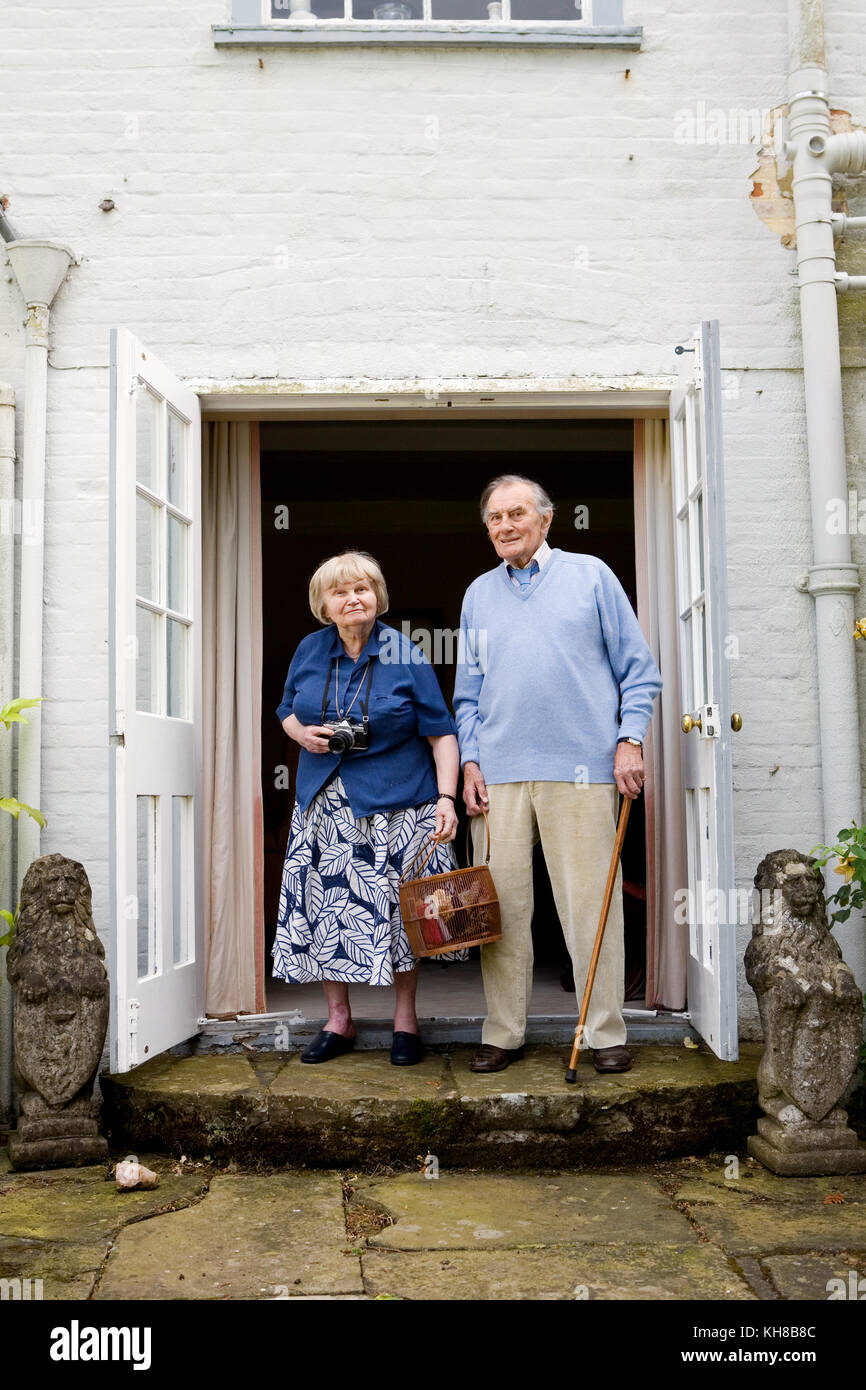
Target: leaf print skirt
x,y
339,913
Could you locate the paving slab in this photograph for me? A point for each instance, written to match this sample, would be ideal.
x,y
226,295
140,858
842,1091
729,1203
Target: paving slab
x,y
815,1276
760,1212
55,1269
253,1237
585,1272
81,1205
475,1210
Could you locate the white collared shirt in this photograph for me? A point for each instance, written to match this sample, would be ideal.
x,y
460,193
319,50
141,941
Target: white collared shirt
x,y
542,555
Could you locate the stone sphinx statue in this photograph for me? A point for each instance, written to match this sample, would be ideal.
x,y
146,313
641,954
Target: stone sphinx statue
x,y
812,1016
56,966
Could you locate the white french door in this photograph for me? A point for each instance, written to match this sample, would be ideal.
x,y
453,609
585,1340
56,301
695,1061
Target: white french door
x,y
702,608
155,702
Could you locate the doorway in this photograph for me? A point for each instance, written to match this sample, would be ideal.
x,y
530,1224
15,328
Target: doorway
x,y
407,491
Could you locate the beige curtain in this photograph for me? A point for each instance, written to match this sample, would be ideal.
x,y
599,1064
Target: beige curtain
x,y
667,941
231,688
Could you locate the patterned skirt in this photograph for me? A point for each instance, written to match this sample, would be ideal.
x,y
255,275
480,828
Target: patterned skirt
x,y
339,904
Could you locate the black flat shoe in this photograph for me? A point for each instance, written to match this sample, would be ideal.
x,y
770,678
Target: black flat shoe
x,y
406,1050
326,1045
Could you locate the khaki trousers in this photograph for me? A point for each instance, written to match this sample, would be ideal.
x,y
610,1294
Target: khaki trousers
x,y
576,823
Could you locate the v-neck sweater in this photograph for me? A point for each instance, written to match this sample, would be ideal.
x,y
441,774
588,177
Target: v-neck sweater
x,y
551,675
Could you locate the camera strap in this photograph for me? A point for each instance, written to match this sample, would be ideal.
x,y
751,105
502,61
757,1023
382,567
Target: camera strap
x,y
366,701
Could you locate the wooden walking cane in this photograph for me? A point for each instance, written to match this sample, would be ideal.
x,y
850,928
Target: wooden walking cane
x,y
571,1074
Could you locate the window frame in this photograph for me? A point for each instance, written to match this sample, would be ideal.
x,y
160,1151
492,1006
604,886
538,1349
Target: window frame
x,y
600,26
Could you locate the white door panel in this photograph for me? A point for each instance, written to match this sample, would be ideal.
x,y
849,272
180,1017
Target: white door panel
x,y
701,584
157,957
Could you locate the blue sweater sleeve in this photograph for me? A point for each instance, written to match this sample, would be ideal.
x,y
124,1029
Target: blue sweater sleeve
x,y
467,686
630,658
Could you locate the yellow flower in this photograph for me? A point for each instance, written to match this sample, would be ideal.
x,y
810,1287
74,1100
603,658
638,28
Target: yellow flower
x,y
845,867
860,628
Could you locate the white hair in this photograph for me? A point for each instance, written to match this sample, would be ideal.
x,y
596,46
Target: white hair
x,y
543,504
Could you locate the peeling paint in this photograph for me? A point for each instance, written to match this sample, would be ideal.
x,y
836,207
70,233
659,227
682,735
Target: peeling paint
x,y
772,197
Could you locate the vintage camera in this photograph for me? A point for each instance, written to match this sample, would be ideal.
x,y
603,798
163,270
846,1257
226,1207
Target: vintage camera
x,y
348,734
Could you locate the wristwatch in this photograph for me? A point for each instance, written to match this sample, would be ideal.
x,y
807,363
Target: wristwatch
x,y
635,742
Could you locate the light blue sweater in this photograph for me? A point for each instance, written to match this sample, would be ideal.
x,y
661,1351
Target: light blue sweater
x,y
552,675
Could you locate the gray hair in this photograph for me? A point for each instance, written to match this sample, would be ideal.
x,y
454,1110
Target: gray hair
x,y
543,504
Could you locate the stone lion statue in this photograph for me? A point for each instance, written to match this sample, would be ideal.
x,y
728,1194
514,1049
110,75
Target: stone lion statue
x,y
810,1005
56,966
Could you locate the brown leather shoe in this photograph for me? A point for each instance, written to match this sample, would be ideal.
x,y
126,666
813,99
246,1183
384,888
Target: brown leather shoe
x,y
490,1058
612,1059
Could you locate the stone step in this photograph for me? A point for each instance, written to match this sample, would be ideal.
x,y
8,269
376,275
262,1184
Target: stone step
x,y
359,1111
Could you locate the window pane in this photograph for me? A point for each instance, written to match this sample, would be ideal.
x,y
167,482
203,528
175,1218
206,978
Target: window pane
x,y
146,407
176,461
177,543
387,9
146,567
145,674
177,648
461,9
181,863
145,855
322,9
546,9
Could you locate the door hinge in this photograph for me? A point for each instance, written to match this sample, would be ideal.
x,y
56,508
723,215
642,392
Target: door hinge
x,y
134,1007
117,740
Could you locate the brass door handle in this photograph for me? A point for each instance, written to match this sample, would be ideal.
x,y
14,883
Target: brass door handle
x,y
691,722
736,722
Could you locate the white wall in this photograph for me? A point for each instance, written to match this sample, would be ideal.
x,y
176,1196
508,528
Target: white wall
x,y
392,213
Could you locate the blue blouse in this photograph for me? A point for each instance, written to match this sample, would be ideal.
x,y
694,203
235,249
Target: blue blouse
x,y
405,707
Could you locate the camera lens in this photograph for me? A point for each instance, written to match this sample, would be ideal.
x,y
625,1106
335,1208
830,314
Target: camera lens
x,y
341,740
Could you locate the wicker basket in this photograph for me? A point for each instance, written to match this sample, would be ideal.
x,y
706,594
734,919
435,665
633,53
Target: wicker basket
x,y
446,912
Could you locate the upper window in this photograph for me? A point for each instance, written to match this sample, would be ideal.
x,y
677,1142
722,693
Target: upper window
x,y
533,23
390,11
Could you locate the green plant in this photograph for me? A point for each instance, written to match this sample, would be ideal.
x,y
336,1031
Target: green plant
x,y
11,714
850,850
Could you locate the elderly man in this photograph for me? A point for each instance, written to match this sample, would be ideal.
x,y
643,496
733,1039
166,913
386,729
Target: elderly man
x,y
553,700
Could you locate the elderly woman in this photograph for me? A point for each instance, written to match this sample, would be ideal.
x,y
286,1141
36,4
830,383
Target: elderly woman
x,y
377,776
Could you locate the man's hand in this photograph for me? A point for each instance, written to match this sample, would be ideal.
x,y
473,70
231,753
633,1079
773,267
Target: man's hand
x,y
628,770
474,790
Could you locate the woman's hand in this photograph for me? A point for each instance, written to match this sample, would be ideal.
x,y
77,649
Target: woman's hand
x,y
313,737
446,821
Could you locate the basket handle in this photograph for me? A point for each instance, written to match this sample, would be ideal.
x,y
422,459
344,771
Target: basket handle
x,y
433,842
469,840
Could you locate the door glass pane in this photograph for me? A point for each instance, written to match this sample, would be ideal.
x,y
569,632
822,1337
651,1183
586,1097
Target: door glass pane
x,y
177,647
699,539
145,857
181,865
704,695
688,694
146,407
176,460
146,548
177,543
545,9
146,697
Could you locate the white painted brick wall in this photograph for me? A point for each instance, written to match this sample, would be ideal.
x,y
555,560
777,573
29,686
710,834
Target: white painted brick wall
x,y
384,213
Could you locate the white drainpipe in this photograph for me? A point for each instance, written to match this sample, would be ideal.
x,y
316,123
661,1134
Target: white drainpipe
x,y
7,675
832,579
40,268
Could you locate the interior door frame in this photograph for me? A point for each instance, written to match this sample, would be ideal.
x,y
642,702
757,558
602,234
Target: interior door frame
x,y
381,402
